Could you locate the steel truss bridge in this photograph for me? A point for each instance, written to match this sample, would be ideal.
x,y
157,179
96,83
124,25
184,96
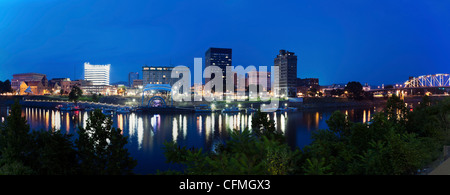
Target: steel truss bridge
x,y
435,80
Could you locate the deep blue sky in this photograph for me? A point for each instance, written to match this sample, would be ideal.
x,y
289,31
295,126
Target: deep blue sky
x,y
373,41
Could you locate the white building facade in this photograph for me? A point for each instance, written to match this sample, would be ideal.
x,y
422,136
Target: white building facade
x,y
98,74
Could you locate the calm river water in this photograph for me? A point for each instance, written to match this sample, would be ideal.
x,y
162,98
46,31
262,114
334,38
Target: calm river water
x,y
147,132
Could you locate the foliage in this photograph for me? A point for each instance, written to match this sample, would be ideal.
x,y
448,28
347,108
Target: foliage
x,y
316,167
395,142
25,152
337,92
15,168
75,94
5,87
396,110
36,152
95,97
243,154
260,152
263,126
101,148
14,137
312,92
54,153
355,89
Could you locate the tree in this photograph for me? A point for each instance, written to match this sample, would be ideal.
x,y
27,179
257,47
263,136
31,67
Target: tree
x,y
355,89
14,137
5,87
263,126
396,110
25,152
312,92
75,94
101,148
316,167
242,154
337,92
395,142
53,153
95,97
262,151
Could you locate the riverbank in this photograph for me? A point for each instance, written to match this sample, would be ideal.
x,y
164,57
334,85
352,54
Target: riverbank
x,y
119,101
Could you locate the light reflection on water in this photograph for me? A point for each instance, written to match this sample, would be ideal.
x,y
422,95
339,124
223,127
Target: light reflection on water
x,y
147,132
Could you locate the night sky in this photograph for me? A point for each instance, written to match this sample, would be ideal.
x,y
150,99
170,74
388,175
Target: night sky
x,y
370,41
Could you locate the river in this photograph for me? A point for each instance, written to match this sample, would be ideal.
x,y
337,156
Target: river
x,y
147,132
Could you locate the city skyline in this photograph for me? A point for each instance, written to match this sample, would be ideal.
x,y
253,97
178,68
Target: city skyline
x,y
378,43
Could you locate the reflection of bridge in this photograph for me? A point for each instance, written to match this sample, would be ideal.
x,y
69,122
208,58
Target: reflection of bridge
x,y
436,80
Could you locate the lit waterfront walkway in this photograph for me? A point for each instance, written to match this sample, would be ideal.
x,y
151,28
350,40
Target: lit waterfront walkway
x,y
84,103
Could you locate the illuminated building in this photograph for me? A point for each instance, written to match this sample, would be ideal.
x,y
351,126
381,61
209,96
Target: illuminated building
x,y
38,83
157,75
221,57
98,74
287,77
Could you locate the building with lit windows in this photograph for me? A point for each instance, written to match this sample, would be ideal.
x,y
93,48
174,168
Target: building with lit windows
x,y
37,82
287,75
157,75
98,74
221,57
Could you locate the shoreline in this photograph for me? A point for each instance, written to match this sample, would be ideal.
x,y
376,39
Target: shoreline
x,y
120,101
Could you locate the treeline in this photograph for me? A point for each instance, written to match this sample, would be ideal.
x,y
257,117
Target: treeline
x,y
396,141
98,150
5,87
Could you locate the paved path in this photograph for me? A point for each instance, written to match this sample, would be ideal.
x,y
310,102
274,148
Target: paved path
x,y
442,169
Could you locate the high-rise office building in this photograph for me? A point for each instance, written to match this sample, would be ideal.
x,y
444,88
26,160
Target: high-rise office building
x,y
131,77
98,74
221,57
287,63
